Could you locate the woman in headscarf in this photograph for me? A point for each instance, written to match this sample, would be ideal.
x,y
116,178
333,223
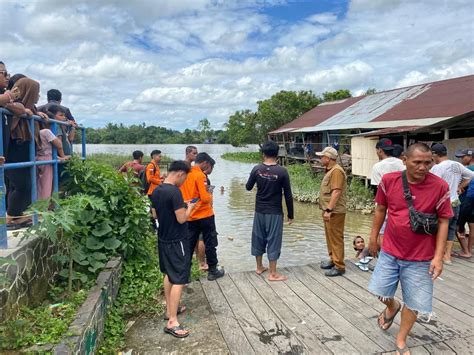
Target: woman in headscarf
x,y
19,188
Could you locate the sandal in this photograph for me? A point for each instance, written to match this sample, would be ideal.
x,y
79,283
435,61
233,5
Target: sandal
x,y
174,331
363,267
403,350
388,321
181,309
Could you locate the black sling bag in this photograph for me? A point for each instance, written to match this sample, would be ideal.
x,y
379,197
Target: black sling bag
x,y
420,222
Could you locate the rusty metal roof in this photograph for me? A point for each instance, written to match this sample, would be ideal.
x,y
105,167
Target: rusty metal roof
x,y
418,105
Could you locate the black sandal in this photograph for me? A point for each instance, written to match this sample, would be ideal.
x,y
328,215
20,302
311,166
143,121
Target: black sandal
x,y
388,321
403,350
174,331
181,309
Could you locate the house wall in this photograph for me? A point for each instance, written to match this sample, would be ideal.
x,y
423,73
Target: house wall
x,y
363,155
458,143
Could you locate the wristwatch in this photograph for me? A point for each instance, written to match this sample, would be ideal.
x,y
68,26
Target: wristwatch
x,y
328,210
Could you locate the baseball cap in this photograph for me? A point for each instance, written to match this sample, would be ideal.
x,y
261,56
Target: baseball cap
x,y
329,152
384,144
439,148
462,152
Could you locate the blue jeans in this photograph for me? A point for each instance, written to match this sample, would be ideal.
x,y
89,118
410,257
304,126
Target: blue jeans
x,y
414,278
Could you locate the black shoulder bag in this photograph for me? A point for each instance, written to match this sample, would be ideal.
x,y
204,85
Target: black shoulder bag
x,y
420,222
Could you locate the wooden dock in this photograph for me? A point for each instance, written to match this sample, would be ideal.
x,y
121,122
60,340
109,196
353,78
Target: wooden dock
x,y
314,314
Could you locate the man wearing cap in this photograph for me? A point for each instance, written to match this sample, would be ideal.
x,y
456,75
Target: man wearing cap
x,y
454,173
387,162
466,211
332,200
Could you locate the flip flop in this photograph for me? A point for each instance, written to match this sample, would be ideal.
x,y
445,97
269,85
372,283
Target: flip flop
x,y
181,309
366,260
403,350
174,331
363,267
388,321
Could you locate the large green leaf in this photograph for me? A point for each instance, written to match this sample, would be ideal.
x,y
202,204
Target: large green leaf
x,y
94,243
111,243
99,256
102,229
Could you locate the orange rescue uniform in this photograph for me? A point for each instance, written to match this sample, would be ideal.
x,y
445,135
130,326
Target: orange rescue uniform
x,y
152,176
195,186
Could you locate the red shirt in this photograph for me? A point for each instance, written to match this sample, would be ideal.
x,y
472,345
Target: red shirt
x,y
430,196
137,168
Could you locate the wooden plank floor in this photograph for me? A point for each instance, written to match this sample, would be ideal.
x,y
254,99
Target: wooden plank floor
x,y
314,314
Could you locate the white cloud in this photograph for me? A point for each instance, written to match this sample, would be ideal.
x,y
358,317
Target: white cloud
x,y
178,61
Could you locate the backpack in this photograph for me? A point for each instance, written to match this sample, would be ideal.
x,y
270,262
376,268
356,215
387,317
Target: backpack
x,y
144,180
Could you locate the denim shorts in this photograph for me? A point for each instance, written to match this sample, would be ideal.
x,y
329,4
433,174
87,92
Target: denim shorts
x,y
415,281
453,224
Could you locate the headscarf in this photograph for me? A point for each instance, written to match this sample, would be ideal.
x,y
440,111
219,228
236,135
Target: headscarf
x,y
29,93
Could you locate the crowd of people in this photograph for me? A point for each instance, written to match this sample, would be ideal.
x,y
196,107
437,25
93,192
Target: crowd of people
x,y
20,95
423,201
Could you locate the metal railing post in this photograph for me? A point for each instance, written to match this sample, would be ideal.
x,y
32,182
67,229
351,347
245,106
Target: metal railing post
x,y
83,142
54,129
3,193
32,156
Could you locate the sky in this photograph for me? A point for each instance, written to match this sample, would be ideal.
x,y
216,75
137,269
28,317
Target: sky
x,y
173,62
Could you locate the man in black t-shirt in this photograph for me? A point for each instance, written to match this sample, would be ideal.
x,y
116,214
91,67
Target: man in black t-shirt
x,y
173,245
272,180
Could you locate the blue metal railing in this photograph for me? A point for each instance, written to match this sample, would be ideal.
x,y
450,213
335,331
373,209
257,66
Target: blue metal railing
x,y
32,164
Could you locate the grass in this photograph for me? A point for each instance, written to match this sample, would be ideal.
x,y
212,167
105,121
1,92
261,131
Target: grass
x,y
305,186
45,324
117,160
244,157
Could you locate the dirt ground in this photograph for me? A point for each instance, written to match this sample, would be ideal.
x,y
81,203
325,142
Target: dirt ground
x,y
146,335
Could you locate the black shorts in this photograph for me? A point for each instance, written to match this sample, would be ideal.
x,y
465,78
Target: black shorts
x,y
174,260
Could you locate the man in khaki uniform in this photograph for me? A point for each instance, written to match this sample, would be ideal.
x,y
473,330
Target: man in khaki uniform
x,y
332,200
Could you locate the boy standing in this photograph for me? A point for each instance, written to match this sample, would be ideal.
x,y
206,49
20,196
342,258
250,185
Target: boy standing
x,y
272,180
173,246
153,172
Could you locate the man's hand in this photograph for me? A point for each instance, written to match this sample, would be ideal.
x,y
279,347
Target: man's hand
x,y
290,220
28,112
436,268
373,247
327,216
72,123
43,116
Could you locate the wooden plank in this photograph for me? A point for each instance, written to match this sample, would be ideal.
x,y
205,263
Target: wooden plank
x,y
329,308
354,295
439,348
278,332
270,307
261,336
461,270
283,299
230,328
414,350
462,345
444,325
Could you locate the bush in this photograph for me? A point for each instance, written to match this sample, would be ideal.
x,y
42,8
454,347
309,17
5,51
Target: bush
x,y
244,157
117,160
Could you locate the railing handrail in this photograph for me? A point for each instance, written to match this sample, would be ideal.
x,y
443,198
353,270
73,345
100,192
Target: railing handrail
x,y
32,163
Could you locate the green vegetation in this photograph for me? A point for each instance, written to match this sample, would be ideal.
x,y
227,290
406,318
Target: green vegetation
x,y
244,157
117,160
304,184
45,324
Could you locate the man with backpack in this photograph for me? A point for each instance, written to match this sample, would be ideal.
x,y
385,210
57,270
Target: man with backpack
x,y
152,173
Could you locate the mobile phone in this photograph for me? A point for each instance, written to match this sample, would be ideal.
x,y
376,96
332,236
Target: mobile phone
x,y
194,200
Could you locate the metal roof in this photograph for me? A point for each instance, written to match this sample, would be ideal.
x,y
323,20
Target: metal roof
x,y
418,105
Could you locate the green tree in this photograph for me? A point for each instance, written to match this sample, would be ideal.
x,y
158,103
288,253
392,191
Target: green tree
x,y
206,131
241,128
336,95
370,91
281,108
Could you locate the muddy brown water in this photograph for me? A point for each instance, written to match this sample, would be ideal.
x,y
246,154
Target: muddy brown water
x,y
303,241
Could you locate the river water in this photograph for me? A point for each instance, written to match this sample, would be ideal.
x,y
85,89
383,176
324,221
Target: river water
x,y
303,241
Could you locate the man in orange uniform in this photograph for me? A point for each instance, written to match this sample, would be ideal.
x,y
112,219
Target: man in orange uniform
x,y
202,219
153,172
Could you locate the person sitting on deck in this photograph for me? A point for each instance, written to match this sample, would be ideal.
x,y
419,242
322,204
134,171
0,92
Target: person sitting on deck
x,y
173,246
272,182
135,164
408,256
362,253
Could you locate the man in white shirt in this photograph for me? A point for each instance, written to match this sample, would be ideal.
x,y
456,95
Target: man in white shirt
x,y
454,173
387,164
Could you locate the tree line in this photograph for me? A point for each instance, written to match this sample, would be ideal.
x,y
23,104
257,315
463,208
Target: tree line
x,y
243,127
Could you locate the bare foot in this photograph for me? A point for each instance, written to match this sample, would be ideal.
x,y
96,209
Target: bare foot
x,y
261,271
464,255
447,260
277,277
204,267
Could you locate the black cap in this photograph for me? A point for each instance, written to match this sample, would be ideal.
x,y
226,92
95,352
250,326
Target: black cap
x,y
462,152
439,148
384,144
